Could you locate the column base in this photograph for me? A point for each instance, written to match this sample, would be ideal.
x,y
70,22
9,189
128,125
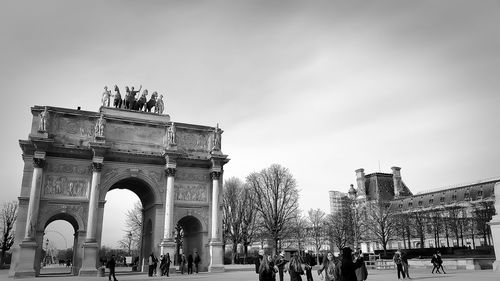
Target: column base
x,y
216,257
89,262
168,246
25,266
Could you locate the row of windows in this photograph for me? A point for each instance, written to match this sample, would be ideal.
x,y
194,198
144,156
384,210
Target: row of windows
x,y
442,199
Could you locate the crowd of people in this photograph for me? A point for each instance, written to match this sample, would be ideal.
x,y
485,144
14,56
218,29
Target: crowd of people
x,y
348,266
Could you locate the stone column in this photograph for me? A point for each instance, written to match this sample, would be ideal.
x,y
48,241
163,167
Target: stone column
x,y
27,248
216,251
91,247
495,228
168,245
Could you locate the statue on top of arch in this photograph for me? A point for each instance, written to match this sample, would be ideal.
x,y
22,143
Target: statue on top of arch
x,y
44,118
131,102
217,138
99,128
171,131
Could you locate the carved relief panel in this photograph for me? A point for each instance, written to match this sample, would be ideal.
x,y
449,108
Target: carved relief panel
x,y
66,180
193,141
191,192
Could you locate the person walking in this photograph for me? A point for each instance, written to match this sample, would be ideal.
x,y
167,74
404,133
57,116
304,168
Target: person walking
x,y
151,262
435,264
440,262
345,269
308,264
183,263
295,268
359,264
167,264
197,261
111,264
404,261
327,270
399,264
280,263
190,264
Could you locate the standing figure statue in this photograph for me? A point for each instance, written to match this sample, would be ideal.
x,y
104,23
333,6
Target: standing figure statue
x,y
142,100
159,105
132,99
171,135
44,116
106,97
151,102
217,138
99,127
117,102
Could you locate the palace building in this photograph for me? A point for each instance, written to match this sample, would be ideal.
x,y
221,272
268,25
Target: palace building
x,y
455,216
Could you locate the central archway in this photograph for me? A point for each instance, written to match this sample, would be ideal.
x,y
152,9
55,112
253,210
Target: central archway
x,y
192,240
150,216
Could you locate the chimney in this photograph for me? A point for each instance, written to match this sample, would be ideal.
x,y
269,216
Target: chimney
x,y
396,177
360,180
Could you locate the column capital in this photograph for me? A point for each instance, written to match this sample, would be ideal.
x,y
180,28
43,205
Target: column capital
x,y
215,175
170,172
97,166
39,159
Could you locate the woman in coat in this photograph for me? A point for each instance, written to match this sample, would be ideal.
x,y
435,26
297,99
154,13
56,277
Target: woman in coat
x,y
266,270
327,269
295,269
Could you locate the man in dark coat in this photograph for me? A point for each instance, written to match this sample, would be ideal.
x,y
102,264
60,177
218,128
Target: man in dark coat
x,y
197,261
309,263
111,264
345,269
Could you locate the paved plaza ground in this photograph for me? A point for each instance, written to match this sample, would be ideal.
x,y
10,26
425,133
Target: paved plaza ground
x,y
375,275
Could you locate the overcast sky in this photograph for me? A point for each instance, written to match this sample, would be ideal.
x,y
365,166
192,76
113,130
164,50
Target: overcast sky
x,y
320,87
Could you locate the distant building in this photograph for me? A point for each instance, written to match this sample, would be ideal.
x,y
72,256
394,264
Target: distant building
x,y
444,217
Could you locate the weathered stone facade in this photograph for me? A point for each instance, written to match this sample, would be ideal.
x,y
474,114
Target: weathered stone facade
x,y
75,157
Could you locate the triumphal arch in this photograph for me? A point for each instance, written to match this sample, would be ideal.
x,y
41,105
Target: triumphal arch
x,y
72,158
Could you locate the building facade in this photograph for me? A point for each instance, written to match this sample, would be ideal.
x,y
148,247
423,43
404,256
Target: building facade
x,y
456,216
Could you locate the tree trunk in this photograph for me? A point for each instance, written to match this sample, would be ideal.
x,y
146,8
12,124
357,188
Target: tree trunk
x,y
245,253
233,255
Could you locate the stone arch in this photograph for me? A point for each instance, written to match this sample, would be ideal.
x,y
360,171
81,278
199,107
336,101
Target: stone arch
x,y
139,177
72,215
193,238
200,215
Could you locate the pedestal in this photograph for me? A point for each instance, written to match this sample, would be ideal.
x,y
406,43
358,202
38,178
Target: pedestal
x,y
495,234
168,246
89,262
216,257
25,266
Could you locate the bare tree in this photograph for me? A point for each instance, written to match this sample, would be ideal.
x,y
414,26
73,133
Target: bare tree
x,y
275,197
296,234
232,213
249,226
317,226
133,233
381,223
337,230
8,216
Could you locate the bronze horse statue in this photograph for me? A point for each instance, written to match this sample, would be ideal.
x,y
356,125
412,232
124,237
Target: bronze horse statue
x,y
117,102
151,102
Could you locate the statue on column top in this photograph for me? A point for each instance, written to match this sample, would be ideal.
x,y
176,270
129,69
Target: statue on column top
x,y
44,116
99,127
171,135
106,97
